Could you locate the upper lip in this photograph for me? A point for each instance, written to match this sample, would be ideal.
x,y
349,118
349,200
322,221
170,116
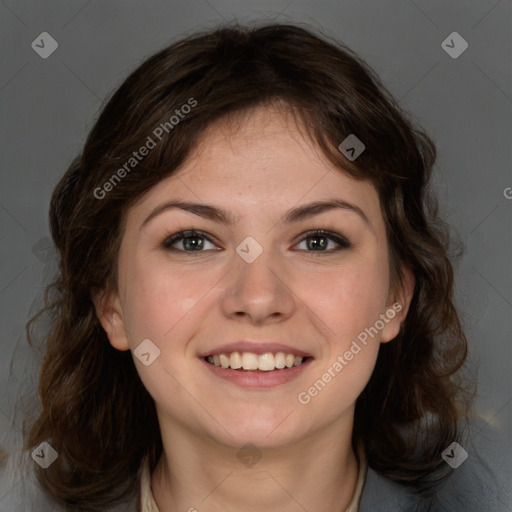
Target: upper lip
x,y
255,348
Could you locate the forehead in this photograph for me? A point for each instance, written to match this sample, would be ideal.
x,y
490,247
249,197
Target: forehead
x,y
265,136
262,158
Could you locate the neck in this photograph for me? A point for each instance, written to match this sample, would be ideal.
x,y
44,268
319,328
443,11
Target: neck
x,y
317,473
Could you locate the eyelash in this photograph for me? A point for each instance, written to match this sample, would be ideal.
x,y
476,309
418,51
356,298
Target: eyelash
x,y
193,233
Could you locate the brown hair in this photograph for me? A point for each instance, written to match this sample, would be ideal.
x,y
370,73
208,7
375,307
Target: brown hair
x,y
92,397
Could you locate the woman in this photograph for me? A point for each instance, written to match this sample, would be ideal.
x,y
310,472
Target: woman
x,y
254,309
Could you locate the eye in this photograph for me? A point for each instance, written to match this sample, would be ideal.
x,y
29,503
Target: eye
x,y
194,241
320,241
191,241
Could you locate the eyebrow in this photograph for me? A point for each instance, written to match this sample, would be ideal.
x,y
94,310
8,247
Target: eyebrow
x,y
225,217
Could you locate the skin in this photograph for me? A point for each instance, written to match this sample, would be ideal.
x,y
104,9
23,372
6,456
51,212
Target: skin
x,y
317,301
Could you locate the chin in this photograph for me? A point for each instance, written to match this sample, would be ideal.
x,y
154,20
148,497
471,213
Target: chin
x,y
263,431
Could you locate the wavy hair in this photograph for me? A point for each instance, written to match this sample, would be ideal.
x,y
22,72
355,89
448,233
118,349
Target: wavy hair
x,y
92,399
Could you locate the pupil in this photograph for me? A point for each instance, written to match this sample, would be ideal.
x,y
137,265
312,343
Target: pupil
x,y
314,245
190,244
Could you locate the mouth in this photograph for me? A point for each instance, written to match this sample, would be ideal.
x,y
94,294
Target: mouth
x,y
256,363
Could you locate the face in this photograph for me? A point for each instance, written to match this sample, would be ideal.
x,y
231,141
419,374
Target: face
x,y
265,284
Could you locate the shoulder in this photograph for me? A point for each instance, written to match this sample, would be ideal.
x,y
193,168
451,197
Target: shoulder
x,y
482,481
20,489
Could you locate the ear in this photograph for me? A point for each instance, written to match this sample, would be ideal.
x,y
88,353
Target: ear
x,y
398,306
109,313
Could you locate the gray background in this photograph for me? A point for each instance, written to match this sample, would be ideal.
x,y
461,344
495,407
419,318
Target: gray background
x,y
47,107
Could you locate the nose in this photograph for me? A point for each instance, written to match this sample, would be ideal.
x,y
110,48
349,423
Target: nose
x,y
259,292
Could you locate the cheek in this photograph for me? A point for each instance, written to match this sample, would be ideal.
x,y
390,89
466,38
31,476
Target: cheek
x,y
347,305
348,298
164,306
335,387
158,298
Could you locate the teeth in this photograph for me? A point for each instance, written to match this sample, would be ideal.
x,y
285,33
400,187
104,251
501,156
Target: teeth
x,y
266,362
249,361
235,360
280,360
224,360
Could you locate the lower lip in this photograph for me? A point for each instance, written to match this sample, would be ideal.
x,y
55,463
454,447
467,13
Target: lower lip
x,y
258,379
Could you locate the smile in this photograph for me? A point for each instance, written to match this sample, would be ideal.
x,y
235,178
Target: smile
x,y
248,361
